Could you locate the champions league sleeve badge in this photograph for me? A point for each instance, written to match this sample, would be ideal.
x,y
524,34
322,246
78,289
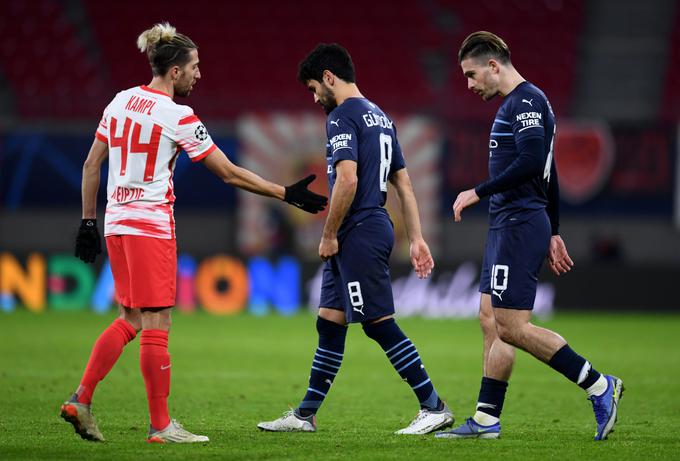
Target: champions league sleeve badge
x,y
201,133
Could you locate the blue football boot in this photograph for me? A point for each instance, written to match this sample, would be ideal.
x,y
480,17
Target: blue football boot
x,y
606,405
470,429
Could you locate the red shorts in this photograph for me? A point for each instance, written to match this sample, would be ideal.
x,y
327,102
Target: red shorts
x,y
144,270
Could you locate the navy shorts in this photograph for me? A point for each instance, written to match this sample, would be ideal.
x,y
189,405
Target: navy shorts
x,y
357,279
512,259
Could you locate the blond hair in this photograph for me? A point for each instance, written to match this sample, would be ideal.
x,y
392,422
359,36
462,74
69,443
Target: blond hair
x,y
165,47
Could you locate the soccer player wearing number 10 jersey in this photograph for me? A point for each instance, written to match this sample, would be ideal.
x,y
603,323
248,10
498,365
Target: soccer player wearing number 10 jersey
x,y
523,231
142,132
363,155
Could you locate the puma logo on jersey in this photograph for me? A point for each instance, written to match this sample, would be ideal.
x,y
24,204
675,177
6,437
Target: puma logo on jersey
x,y
360,310
499,294
528,101
336,122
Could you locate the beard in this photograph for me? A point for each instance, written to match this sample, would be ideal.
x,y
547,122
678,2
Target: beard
x,y
327,100
182,87
491,89
489,96
183,91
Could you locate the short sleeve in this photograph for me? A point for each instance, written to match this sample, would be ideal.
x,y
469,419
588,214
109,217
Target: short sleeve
x,y
528,118
192,136
398,161
342,139
102,132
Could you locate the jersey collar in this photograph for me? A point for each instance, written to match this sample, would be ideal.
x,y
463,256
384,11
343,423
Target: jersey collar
x,y
151,90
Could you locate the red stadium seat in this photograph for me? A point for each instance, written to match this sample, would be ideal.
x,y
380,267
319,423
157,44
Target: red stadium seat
x,y
670,102
405,52
45,62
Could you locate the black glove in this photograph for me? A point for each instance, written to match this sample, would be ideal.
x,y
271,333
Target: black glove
x,y
88,242
298,195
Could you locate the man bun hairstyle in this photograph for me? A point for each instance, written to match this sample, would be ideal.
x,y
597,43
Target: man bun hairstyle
x,y
484,45
327,56
165,47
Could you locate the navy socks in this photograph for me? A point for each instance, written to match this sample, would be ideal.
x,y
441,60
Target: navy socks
x,y
492,396
574,367
405,359
325,365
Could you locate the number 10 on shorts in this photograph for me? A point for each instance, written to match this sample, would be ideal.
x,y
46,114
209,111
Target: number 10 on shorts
x,y
499,271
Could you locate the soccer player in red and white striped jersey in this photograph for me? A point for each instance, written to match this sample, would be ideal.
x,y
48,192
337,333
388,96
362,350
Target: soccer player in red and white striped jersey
x,y
140,190
142,132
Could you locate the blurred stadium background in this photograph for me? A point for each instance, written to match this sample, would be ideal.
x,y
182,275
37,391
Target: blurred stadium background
x,y
611,70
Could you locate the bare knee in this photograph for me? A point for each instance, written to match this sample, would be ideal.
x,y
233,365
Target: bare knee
x,y
506,333
156,318
488,323
487,319
131,316
332,315
512,324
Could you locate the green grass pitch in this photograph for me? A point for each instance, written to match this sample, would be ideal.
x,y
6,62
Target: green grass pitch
x,y
229,373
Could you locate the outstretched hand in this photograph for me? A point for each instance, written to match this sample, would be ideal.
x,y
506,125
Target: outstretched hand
x,y
300,196
421,258
465,199
559,260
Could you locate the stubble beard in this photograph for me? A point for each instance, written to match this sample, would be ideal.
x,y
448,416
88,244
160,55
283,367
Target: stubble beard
x,y
327,101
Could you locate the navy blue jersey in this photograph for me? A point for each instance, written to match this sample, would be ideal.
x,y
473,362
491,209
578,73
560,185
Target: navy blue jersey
x,y
359,131
521,163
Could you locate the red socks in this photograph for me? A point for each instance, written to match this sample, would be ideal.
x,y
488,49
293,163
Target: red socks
x,y
104,355
154,361
155,364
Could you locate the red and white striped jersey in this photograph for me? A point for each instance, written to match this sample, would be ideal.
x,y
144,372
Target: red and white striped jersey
x,y
145,131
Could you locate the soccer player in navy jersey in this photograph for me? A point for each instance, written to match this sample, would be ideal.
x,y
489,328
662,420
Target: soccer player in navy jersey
x,y
363,155
523,229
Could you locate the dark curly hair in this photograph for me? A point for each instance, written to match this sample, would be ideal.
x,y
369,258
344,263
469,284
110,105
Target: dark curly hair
x,y
326,56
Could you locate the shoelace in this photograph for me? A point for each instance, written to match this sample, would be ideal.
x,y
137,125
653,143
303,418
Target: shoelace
x,y
422,414
178,425
470,422
180,432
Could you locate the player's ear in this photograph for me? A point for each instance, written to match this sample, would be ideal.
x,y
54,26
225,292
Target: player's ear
x,y
328,78
174,72
493,66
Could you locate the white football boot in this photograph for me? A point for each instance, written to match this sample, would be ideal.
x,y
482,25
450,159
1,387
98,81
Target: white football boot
x,y
427,421
174,433
290,422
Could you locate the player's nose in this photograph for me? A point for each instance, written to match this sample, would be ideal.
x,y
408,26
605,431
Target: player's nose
x,y
471,84
316,98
